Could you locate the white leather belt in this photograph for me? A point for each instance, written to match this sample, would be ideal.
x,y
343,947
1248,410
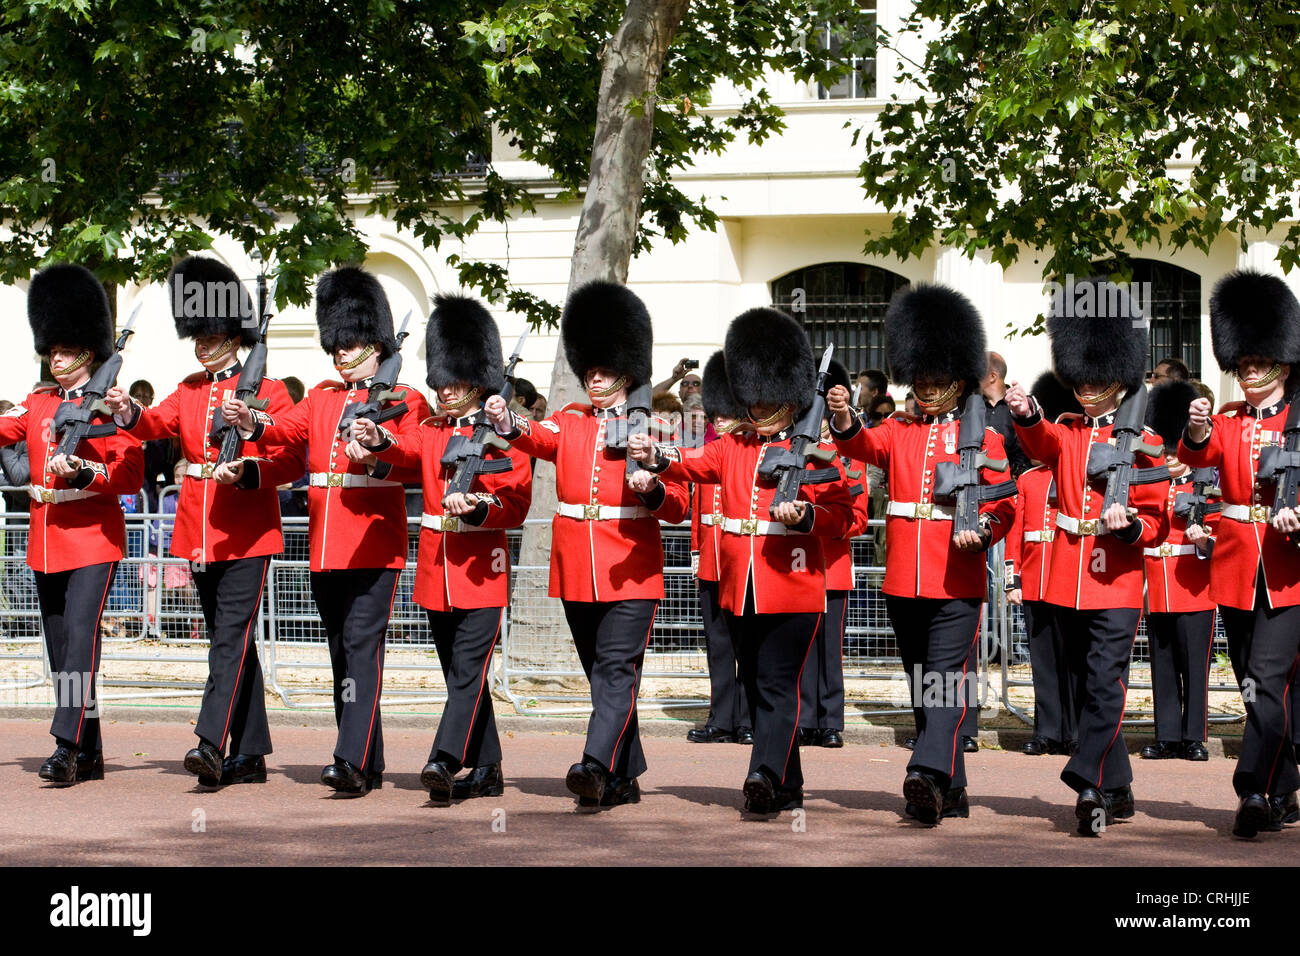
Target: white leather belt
x,y
1169,550
918,509
1047,534
324,479
446,523
203,471
1248,514
601,512
1088,526
753,526
713,519
51,495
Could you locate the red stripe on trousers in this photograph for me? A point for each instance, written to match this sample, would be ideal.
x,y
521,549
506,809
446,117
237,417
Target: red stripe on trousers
x,y
798,704
240,673
94,640
379,683
1101,766
482,682
632,710
965,666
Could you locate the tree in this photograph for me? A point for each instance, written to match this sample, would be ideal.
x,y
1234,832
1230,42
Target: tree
x,y
1060,125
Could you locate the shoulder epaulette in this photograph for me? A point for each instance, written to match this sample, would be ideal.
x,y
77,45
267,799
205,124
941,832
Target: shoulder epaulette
x,y
193,378
575,408
1065,418
44,388
330,385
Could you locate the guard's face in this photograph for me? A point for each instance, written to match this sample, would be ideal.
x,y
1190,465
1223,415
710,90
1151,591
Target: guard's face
x,y
69,366
768,418
599,381
212,349
346,356
61,357
1256,373
452,398
930,389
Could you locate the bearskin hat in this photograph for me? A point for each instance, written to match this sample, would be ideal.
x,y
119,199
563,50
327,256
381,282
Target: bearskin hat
x,y
715,390
1098,336
1054,397
605,325
462,344
769,360
1167,409
837,374
352,308
934,331
207,298
67,305
1253,313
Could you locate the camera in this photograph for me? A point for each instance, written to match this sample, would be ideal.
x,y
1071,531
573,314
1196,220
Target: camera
x,y
691,363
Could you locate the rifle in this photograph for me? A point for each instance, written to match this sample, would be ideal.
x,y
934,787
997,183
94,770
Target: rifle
x,y
788,467
466,455
250,382
1280,466
959,481
381,389
73,423
1115,462
1196,504
637,422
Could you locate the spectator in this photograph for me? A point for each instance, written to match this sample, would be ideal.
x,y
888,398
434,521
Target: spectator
x,y
176,575
909,403
994,388
690,379
293,385
1204,391
695,424
293,503
14,471
159,454
1169,370
539,408
880,409
871,384
667,407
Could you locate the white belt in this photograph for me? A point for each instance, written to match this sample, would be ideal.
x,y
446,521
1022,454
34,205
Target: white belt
x,y
446,523
601,512
51,495
753,526
918,509
713,519
1169,550
1088,526
323,479
200,471
1249,514
1047,534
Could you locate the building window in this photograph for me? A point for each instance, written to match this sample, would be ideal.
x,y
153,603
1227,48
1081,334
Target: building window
x,y
841,303
860,83
1174,308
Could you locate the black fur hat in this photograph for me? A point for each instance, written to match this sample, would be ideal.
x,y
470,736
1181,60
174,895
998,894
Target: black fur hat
x,y
352,308
715,390
67,305
934,330
837,374
769,360
1253,313
219,306
605,325
462,344
1167,409
1054,397
1099,336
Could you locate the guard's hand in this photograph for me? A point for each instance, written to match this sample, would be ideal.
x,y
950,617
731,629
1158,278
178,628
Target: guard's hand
x,y
1198,419
235,412
64,466
789,513
117,400
838,404
1116,517
968,541
360,455
364,431
498,412
642,482
1016,596
1196,534
1017,400
228,473
1286,521
458,504
640,447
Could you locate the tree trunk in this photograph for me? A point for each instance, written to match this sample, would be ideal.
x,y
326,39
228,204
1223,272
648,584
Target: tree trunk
x,y
602,249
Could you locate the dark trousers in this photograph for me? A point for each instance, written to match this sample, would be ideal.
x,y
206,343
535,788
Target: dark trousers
x,y
72,603
728,707
1099,647
821,688
1264,645
354,606
1054,684
234,702
938,640
1180,673
467,732
774,650
611,639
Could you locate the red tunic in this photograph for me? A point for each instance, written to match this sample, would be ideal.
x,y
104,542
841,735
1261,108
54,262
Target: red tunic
x,y
839,551
1090,571
1236,435
348,527
462,569
920,558
707,502
1178,582
788,570
1036,517
611,559
216,522
74,533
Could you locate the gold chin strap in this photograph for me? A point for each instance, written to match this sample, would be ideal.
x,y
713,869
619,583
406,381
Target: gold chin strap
x,y
772,419
227,344
79,361
456,406
1099,398
1268,379
364,354
619,382
939,402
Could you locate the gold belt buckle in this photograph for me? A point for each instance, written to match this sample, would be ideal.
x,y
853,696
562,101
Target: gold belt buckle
x,y
718,520
47,495
1088,526
924,509
749,526
1259,513
1048,534
450,523
334,481
1166,550
206,470
591,512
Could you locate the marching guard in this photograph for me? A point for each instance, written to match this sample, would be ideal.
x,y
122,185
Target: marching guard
x,y
1255,571
462,577
227,533
1095,577
356,509
606,552
935,575
77,530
